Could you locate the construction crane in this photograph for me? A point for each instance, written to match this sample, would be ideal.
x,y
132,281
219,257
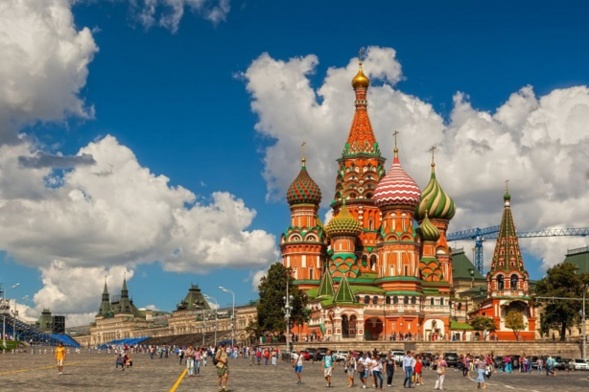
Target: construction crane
x,y
488,233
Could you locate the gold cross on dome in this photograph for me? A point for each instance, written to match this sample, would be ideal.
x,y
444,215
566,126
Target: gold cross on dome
x,y
303,158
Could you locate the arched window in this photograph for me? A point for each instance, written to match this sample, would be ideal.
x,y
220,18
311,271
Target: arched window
x,y
514,279
366,299
375,300
413,300
387,300
358,298
441,301
459,306
373,262
500,285
431,301
405,300
395,300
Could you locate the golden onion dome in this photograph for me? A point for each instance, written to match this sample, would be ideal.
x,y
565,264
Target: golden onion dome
x,y
360,80
343,224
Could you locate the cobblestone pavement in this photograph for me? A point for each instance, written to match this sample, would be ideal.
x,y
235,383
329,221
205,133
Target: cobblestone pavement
x,y
93,372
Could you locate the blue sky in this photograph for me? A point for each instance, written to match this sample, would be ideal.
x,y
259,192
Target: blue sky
x,y
157,143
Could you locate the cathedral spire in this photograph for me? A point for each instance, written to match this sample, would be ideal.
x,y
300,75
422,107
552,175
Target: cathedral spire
x,y
361,138
507,255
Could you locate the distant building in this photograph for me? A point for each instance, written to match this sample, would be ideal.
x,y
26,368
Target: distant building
x,y
118,318
508,282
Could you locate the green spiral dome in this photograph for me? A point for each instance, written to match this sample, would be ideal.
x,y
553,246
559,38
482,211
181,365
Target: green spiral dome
x,y
427,230
434,200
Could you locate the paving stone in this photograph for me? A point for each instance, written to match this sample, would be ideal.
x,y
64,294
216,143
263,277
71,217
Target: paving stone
x,y
95,372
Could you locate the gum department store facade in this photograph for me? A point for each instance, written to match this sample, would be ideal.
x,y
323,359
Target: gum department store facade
x,y
370,273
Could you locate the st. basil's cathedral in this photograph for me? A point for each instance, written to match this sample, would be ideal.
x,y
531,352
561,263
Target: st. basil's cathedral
x,y
382,267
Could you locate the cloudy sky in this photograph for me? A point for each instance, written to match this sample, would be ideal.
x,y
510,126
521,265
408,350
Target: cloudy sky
x,y
155,139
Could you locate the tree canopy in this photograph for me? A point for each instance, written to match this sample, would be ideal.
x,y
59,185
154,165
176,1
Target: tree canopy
x,y
482,323
514,320
561,281
270,308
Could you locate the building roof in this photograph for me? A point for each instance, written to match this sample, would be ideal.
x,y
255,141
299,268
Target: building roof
x,y
580,258
461,267
194,300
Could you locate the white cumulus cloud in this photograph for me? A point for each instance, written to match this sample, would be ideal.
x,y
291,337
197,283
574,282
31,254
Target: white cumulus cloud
x,y
540,144
169,13
44,64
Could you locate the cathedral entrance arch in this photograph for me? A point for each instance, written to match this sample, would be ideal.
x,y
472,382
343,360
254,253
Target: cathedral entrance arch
x,y
433,329
373,328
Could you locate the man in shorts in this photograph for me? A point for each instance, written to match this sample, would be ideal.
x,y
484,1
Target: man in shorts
x,y
222,367
60,357
297,363
328,366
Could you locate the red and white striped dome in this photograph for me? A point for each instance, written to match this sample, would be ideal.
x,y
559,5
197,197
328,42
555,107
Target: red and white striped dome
x,y
397,188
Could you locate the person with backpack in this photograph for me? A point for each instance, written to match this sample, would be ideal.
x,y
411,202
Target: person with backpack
x,y
221,363
362,369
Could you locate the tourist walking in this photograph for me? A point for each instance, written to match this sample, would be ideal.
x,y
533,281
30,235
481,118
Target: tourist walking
x,y
189,353
377,372
60,357
408,363
480,369
351,369
441,367
390,369
362,369
222,367
328,366
297,363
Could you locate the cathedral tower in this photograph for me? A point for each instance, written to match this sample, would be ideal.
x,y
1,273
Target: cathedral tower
x,y
303,244
359,170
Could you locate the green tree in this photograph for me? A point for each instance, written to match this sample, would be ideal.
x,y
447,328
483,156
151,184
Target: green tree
x,y
514,320
270,308
561,281
483,324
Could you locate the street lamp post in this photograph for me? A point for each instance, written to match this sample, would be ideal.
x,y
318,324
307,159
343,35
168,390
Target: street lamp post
x,y
287,310
5,308
583,324
216,307
232,313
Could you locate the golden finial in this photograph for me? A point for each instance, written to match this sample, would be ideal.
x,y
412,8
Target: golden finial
x,y
506,185
433,151
360,80
396,150
303,158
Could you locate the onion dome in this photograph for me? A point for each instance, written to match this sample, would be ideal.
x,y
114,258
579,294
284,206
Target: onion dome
x,y
427,230
303,190
360,80
434,200
343,224
396,187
